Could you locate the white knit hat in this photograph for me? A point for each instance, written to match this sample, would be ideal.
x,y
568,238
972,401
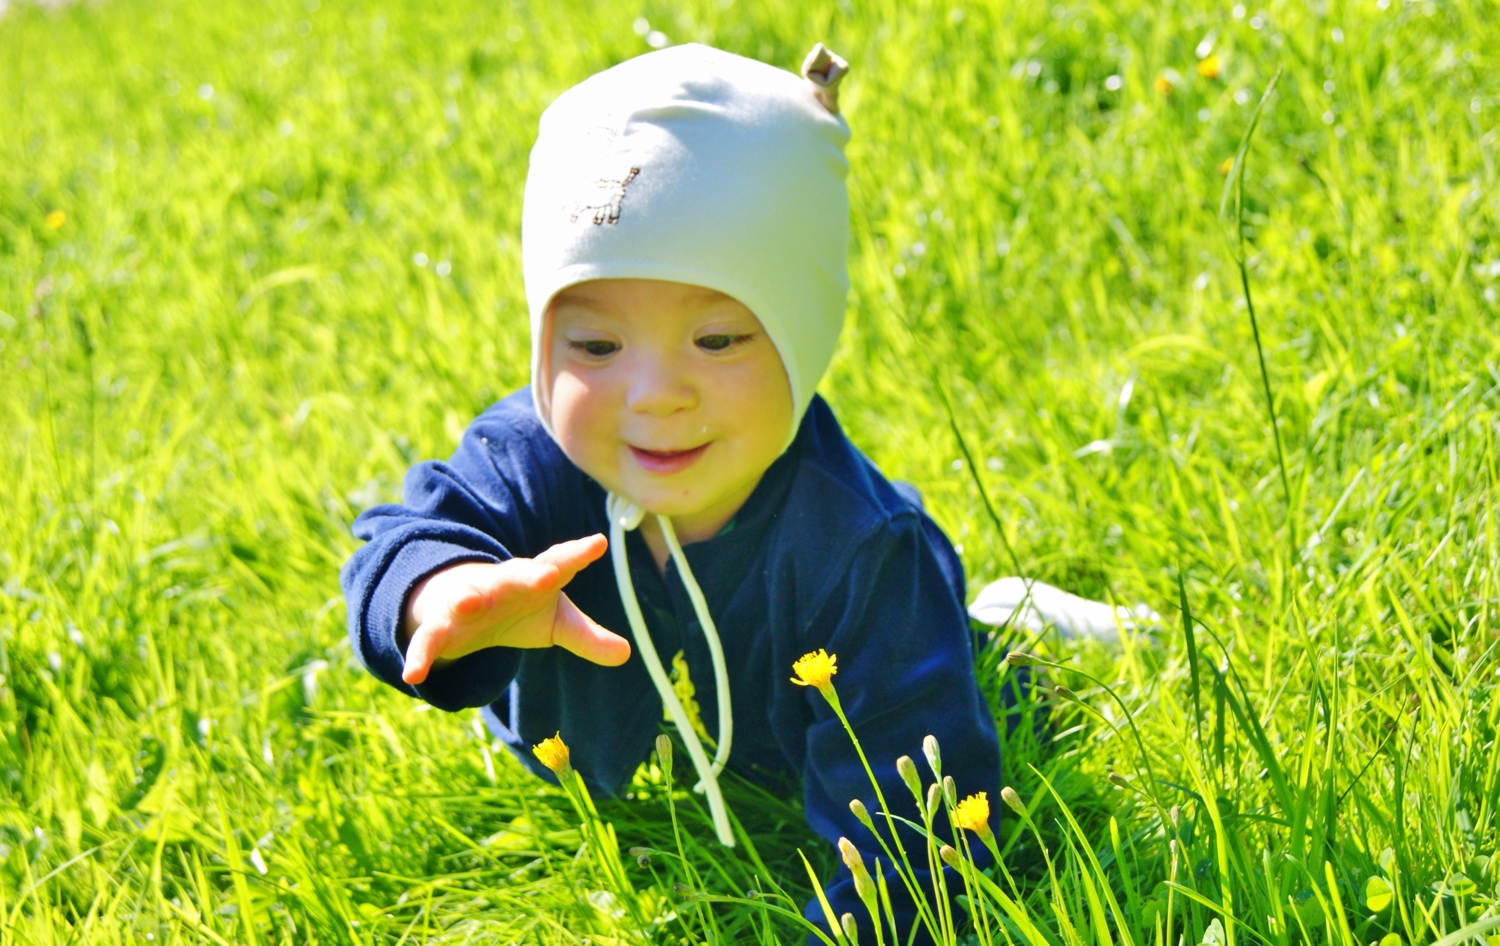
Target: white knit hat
x,y
698,166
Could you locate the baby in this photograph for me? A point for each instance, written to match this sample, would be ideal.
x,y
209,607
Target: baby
x,y
683,241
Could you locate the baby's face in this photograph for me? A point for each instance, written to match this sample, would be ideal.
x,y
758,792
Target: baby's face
x,y
670,395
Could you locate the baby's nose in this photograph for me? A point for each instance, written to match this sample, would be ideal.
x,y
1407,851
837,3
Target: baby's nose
x,y
660,392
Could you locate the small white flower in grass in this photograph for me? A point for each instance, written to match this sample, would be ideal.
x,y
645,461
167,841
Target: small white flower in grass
x,y
310,679
205,726
656,39
1114,83
258,861
642,26
443,268
419,258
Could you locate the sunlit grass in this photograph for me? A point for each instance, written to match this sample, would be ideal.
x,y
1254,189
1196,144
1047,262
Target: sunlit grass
x,y
257,259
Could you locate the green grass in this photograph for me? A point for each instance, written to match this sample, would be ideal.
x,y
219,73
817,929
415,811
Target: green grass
x,y
228,349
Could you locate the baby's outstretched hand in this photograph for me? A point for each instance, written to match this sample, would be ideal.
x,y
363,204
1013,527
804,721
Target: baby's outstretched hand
x,y
515,603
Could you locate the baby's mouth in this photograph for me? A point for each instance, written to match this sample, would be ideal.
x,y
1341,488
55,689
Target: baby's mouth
x,y
666,462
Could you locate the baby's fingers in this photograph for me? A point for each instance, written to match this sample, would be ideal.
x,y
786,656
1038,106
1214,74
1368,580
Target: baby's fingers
x,y
426,645
572,557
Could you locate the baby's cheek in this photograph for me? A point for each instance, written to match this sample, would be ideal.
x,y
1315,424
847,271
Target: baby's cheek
x,y
584,437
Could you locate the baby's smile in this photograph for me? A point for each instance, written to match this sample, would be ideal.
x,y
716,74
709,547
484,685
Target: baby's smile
x,y
667,462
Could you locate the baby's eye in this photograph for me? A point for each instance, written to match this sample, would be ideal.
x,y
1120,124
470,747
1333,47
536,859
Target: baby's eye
x,y
597,347
721,342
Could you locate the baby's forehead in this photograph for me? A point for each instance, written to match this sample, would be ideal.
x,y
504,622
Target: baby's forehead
x,y
626,296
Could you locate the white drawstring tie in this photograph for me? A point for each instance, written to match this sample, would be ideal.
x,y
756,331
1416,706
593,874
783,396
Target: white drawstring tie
x,y
624,516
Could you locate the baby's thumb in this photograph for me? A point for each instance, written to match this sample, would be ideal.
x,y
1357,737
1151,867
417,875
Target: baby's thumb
x,y
574,631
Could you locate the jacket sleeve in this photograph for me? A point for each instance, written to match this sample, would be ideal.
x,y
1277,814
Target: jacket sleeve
x,y
905,671
480,506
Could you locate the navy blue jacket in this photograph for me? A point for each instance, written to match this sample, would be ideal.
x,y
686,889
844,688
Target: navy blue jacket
x,y
825,553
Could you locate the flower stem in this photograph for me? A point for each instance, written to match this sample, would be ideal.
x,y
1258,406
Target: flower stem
x,y
908,879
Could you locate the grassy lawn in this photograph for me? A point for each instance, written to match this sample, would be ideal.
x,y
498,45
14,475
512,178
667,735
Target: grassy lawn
x,y
258,258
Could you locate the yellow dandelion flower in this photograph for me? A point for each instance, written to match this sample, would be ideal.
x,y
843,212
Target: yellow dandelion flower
x,y
815,669
1162,85
974,813
1226,165
553,753
55,220
1209,67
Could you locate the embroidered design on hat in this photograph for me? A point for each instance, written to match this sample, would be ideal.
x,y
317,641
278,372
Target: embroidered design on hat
x,y
602,198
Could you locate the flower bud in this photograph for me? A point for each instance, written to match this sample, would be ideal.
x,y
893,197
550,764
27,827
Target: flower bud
x,y
1013,801
638,851
851,929
644,860
861,813
934,757
1176,815
851,856
1019,658
908,770
950,790
1064,693
934,795
664,754
864,885
950,857
1116,778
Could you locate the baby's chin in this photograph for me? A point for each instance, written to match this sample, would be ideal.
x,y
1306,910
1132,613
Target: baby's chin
x,y
672,500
